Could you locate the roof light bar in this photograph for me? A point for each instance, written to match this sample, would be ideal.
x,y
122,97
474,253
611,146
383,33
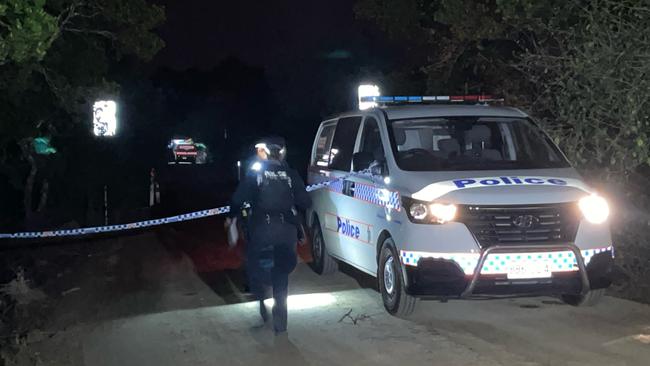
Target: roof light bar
x,y
431,98
366,91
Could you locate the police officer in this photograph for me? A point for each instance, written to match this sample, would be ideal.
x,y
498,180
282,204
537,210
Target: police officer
x,y
244,213
276,193
255,161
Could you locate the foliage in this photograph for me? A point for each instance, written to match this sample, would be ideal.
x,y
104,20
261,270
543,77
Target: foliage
x,y
439,35
26,30
593,87
56,58
580,66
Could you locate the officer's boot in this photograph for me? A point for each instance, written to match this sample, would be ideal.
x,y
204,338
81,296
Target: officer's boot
x,y
263,312
280,315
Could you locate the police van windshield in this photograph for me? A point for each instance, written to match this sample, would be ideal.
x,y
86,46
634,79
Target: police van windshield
x,y
472,143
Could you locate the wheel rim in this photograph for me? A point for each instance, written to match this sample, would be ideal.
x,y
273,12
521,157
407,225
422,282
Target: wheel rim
x,y
318,245
389,276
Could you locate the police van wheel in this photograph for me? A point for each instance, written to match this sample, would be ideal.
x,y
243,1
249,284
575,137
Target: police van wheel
x,y
391,282
592,298
322,263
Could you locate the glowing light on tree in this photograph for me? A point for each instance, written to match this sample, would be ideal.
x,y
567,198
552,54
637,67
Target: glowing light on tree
x,y
105,118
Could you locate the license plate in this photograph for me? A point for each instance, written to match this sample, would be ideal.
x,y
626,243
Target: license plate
x,y
529,270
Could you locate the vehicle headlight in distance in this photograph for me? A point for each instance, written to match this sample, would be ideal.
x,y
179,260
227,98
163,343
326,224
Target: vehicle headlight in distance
x,y
443,212
594,208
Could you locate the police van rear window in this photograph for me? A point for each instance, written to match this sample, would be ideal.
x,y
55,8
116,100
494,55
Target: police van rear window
x,y
472,143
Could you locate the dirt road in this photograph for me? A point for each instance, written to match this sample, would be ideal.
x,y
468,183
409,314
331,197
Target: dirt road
x,y
145,303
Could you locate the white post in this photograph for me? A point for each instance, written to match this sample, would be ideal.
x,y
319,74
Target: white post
x,y
105,205
151,188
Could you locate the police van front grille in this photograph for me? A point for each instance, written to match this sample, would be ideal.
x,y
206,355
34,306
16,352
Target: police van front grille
x,y
503,225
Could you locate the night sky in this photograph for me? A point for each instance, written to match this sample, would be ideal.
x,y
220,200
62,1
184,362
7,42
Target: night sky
x,y
311,55
201,33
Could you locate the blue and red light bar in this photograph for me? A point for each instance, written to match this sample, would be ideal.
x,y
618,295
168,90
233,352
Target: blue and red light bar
x,y
432,99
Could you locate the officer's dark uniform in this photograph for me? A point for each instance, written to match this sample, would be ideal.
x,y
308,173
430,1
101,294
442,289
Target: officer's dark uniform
x,y
243,219
275,193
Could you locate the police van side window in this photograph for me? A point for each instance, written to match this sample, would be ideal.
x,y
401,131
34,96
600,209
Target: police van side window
x,y
371,139
322,158
343,143
371,146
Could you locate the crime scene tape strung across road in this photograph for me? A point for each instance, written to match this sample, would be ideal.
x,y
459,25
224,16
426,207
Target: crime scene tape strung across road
x,y
147,223
120,227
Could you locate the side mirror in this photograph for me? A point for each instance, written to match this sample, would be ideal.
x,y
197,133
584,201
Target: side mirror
x,y
377,169
362,160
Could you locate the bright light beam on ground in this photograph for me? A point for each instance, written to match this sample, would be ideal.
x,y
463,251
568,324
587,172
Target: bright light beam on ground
x,y
304,301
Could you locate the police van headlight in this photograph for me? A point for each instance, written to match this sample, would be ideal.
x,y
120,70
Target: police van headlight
x,y
419,211
429,213
594,208
443,212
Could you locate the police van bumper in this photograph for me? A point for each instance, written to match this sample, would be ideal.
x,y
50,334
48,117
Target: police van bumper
x,y
500,271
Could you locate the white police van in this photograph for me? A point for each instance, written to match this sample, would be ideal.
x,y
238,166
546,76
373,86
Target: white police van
x,y
455,200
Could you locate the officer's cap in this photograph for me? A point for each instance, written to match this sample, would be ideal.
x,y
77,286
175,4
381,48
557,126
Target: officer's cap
x,y
274,146
275,141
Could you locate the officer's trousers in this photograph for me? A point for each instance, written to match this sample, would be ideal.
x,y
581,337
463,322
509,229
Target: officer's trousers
x,y
271,257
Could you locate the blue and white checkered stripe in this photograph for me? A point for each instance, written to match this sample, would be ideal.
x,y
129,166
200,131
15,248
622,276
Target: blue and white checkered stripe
x,y
378,196
336,186
394,201
498,263
466,261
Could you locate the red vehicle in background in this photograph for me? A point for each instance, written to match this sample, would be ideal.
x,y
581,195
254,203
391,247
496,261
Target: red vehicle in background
x,y
186,151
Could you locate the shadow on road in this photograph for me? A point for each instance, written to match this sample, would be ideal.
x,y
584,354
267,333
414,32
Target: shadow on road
x,y
217,265
191,188
363,279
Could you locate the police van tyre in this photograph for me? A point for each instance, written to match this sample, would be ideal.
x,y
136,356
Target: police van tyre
x,y
391,282
322,263
592,298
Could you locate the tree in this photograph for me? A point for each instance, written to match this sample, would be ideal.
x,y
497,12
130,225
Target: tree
x,y
27,31
452,43
592,87
56,57
580,66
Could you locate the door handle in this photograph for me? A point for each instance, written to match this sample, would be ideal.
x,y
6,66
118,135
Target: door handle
x,y
348,188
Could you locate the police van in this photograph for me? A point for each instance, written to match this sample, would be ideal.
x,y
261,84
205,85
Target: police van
x,y
451,197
